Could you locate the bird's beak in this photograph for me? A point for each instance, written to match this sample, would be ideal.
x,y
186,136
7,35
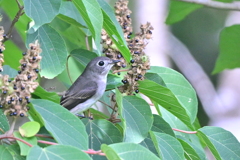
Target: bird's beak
x,y
115,61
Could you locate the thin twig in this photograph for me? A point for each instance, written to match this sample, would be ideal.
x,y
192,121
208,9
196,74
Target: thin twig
x,y
90,151
215,4
43,136
121,70
188,132
68,69
47,142
19,13
11,137
108,105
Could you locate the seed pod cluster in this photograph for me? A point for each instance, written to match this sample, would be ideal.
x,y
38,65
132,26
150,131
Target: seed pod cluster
x,y
16,94
136,44
139,63
2,48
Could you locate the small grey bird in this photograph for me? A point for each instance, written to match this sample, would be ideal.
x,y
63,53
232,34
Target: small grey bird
x,y
89,87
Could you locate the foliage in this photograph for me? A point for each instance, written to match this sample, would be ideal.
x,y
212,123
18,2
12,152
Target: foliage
x,y
62,27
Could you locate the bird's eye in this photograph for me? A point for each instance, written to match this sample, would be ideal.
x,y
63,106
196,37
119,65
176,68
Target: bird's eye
x,y
101,63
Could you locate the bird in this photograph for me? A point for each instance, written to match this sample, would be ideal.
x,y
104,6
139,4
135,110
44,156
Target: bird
x,y
89,86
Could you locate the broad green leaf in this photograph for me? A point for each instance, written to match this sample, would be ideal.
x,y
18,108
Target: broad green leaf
x,y
113,81
155,78
54,52
83,57
29,129
148,143
101,131
69,13
167,146
181,88
57,152
227,1
23,147
65,127
110,153
229,49
114,30
138,118
4,125
7,70
132,151
5,154
160,125
191,151
222,143
165,98
179,10
12,55
43,94
14,150
92,15
41,12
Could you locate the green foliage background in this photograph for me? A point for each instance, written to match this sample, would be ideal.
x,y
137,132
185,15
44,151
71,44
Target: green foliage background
x,y
63,28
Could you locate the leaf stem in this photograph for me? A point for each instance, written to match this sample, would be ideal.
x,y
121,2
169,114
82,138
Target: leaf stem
x,y
188,132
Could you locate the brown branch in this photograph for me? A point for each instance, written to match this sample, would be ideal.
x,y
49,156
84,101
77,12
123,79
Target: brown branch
x,y
43,136
11,137
19,13
122,70
215,4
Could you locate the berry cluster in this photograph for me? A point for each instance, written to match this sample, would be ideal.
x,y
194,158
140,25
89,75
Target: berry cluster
x,y
139,62
136,44
16,94
123,16
2,48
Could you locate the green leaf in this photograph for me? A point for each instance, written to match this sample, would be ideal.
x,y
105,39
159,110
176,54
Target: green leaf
x,y
114,30
12,55
132,151
191,151
113,81
14,150
25,148
155,78
181,88
83,57
165,98
160,125
179,10
222,143
69,13
92,15
54,52
4,125
29,129
7,70
148,143
5,154
41,12
110,153
43,94
65,127
101,131
138,118
229,49
167,146
57,152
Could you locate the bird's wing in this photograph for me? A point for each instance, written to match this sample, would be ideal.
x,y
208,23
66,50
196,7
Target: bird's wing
x,y
78,94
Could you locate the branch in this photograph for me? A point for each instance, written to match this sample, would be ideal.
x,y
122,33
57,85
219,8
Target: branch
x,y
215,4
11,137
19,13
188,132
